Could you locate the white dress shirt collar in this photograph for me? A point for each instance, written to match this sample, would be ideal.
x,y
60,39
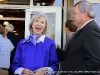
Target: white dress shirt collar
x,y
41,39
86,23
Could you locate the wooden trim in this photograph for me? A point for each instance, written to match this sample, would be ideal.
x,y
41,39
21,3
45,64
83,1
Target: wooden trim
x,y
11,18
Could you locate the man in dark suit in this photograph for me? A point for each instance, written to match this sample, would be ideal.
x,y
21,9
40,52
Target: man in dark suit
x,y
70,30
14,39
83,50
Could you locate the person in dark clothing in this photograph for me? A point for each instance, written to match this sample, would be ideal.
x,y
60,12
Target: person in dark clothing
x,y
14,39
70,30
82,55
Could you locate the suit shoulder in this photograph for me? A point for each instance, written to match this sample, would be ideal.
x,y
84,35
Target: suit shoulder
x,y
93,25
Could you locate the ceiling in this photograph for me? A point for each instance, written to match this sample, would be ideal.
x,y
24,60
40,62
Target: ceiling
x,y
13,13
47,2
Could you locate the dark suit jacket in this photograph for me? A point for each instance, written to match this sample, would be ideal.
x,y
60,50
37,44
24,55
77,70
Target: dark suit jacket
x,y
61,52
14,39
83,51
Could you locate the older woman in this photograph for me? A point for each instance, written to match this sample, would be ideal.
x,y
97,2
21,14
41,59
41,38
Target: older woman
x,y
36,54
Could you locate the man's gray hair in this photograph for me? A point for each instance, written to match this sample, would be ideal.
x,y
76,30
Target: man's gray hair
x,y
10,27
85,6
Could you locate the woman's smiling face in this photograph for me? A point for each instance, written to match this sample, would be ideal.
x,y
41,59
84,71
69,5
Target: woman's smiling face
x,y
39,25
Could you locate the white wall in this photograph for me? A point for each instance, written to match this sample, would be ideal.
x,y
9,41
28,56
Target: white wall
x,y
57,3
97,11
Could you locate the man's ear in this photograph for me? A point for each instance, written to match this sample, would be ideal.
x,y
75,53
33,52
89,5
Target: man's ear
x,y
85,14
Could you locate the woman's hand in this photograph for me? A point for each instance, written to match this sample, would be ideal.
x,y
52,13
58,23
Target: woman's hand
x,y
27,72
41,71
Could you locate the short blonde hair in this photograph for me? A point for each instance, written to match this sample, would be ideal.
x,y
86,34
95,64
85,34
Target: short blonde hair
x,y
9,27
37,15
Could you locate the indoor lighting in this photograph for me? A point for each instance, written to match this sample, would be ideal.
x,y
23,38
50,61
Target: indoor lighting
x,y
14,31
5,23
1,1
53,24
43,4
1,15
16,34
38,4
